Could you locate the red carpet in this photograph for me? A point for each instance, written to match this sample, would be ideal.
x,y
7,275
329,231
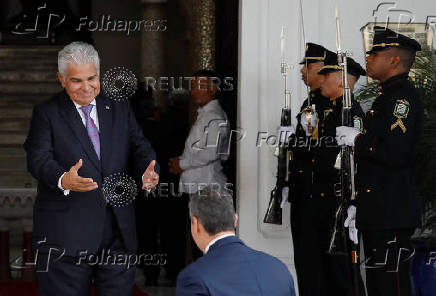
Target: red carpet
x,y
23,288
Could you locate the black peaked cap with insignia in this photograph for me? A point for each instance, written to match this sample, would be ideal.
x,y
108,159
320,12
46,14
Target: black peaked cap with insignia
x,y
331,65
385,38
314,53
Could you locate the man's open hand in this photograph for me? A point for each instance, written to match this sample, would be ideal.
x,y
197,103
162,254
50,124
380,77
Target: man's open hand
x,y
150,178
72,181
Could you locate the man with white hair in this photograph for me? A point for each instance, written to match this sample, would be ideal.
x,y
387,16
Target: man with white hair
x,y
76,139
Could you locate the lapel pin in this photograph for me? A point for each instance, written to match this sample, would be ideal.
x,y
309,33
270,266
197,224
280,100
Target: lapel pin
x,y
107,107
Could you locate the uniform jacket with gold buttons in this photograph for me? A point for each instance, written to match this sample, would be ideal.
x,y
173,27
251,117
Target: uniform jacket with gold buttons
x,y
325,175
300,145
387,194
313,169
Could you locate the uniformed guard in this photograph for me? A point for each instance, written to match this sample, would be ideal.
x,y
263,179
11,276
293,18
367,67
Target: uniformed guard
x,y
326,173
301,169
313,176
388,207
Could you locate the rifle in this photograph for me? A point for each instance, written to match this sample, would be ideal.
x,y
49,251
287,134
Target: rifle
x,y
345,190
281,190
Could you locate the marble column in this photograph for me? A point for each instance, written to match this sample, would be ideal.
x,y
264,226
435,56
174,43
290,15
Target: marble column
x,y
153,47
203,34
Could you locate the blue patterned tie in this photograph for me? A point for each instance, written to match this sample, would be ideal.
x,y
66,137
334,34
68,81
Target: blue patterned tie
x,y
91,128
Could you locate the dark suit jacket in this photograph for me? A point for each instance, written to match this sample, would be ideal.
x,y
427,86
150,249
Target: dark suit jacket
x,y
57,140
231,268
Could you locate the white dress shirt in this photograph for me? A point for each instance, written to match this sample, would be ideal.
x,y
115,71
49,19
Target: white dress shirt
x,y
217,239
94,117
206,146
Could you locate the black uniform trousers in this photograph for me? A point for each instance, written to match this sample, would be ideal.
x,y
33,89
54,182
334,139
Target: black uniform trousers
x,y
116,278
318,273
388,256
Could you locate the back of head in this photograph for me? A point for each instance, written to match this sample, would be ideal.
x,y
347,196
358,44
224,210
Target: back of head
x,y
258,273
214,209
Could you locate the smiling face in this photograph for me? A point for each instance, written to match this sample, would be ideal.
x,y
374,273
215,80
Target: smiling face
x,y
81,82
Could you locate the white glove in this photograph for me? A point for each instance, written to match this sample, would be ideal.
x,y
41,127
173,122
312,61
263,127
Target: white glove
x,y
350,222
304,121
284,132
346,135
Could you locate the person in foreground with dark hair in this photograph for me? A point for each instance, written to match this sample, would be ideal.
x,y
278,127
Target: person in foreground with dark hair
x,y
228,266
